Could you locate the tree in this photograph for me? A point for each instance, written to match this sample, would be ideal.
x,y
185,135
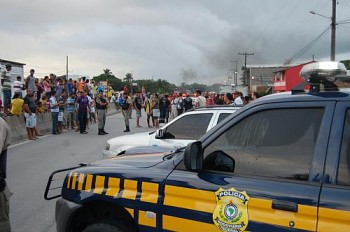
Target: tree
x,y
108,76
128,78
107,72
346,63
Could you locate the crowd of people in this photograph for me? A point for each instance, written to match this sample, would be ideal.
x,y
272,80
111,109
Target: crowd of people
x,y
75,104
161,108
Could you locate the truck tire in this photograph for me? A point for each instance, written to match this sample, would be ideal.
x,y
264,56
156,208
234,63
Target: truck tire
x,y
104,227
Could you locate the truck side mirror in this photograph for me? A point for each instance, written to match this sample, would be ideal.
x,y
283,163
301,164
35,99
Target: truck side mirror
x,y
193,157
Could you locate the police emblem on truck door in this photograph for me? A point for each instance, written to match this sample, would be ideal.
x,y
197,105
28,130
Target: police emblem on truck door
x,y
231,211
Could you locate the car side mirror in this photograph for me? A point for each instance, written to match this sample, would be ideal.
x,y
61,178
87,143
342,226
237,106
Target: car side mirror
x,y
159,134
219,161
193,157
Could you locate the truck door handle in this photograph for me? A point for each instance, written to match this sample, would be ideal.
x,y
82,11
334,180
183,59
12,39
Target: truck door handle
x,y
285,205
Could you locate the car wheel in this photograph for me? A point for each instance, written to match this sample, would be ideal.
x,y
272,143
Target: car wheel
x,y
105,227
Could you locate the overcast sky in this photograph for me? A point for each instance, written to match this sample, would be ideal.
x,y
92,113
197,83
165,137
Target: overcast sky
x,y
177,40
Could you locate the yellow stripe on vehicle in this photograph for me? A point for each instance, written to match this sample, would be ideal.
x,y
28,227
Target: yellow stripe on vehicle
x,y
131,212
146,221
88,182
80,181
187,198
130,189
69,180
99,184
333,219
179,224
113,187
259,210
149,192
74,180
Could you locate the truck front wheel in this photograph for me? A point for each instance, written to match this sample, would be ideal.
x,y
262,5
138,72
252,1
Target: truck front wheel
x,y
105,227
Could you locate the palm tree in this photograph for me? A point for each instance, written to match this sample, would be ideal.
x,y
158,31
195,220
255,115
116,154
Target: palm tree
x,y
108,73
128,78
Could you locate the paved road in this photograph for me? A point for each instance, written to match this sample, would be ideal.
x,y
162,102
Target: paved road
x,y
31,163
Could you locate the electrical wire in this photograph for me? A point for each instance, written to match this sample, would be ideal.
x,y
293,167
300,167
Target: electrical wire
x,y
310,45
346,27
345,21
281,24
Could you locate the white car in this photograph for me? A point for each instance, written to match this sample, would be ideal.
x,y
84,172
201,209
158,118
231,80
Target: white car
x,y
184,129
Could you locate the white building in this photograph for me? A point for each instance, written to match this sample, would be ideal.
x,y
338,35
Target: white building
x,y
17,70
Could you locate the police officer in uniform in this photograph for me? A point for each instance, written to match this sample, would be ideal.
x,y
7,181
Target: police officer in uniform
x,y
5,136
101,106
126,106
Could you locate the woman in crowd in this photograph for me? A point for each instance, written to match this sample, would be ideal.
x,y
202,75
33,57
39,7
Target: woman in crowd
x,y
47,86
228,99
148,110
155,110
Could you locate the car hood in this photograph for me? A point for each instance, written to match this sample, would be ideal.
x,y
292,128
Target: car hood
x,y
137,139
138,160
147,150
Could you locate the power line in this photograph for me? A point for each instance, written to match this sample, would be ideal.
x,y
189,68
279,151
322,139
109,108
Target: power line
x,y
310,45
345,21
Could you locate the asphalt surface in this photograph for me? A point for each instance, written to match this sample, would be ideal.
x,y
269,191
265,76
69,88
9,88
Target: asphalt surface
x,y
31,162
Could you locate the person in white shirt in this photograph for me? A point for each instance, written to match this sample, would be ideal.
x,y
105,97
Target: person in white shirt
x,y
89,111
18,86
237,98
174,105
200,100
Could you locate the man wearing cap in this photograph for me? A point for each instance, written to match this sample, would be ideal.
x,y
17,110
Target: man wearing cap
x,y
5,136
126,105
6,87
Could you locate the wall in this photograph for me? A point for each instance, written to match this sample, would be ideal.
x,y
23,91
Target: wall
x,y
18,127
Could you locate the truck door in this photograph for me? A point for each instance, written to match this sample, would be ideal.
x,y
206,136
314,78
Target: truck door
x,y
261,172
334,211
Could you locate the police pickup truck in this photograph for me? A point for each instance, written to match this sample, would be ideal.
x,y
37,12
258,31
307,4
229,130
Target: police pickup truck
x,y
281,163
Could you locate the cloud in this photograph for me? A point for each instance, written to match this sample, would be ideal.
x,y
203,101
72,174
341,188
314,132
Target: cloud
x,y
174,40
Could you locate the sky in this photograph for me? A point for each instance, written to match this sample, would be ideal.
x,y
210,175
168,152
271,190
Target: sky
x,y
176,40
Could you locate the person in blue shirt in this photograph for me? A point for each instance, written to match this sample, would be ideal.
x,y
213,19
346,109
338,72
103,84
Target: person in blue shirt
x,y
71,110
100,88
70,86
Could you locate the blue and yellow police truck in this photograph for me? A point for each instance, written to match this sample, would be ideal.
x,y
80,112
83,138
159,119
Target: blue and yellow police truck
x,y
280,163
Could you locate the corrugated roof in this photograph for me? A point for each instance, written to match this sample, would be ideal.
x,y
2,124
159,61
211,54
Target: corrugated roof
x,y
11,62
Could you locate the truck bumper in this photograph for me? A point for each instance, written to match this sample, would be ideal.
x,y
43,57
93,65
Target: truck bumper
x,y
63,214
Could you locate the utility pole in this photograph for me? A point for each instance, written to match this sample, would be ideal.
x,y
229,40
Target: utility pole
x,y
333,24
67,69
246,78
236,72
334,10
66,83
